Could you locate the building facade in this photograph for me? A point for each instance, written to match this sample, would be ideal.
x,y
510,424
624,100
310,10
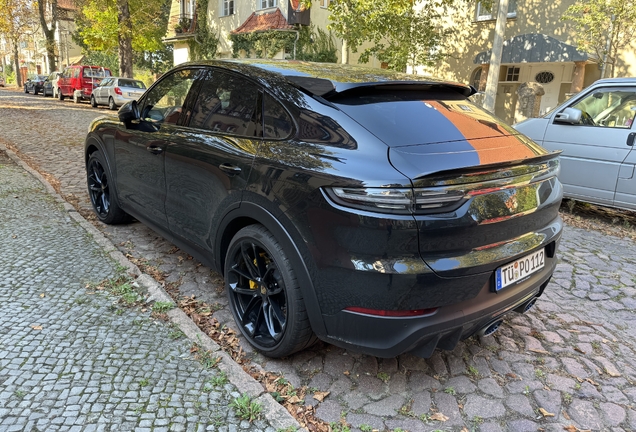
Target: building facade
x,y
538,47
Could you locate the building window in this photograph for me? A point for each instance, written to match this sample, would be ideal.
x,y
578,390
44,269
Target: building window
x,y
268,4
324,3
187,8
476,78
228,7
512,74
485,10
512,8
544,77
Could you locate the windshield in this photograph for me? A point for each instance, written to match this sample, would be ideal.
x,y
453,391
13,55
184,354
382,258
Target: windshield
x,y
402,118
96,72
131,84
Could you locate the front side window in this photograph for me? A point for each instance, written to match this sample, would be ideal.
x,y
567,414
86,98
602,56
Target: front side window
x,y
614,108
165,101
226,104
267,3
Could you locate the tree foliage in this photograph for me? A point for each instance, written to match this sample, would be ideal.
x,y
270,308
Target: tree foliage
x,y
18,18
102,27
400,32
598,22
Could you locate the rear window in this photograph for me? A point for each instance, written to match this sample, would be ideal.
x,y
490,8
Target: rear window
x,y
403,117
96,72
131,84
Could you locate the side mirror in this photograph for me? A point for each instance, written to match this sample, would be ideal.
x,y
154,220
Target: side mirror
x,y
569,116
128,112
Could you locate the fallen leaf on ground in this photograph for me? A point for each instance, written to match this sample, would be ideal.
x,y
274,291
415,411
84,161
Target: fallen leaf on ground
x,y
565,415
545,413
36,327
538,351
591,381
579,350
439,417
347,373
320,396
42,295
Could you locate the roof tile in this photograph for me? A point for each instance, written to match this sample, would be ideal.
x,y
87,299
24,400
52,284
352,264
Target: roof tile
x,y
263,22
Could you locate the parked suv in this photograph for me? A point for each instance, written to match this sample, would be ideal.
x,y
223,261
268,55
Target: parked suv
x,y
378,211
78,81
596,131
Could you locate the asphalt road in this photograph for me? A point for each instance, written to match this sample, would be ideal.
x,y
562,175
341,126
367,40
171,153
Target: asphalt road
x,y
569,362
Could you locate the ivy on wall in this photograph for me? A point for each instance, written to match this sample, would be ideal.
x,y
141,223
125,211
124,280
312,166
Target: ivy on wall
x,y
312,44
204,44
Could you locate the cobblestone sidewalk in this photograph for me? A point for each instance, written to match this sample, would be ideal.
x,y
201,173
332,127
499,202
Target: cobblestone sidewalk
x,y
73,359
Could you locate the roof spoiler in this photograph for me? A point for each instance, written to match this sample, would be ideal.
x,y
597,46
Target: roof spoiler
x,y
324,88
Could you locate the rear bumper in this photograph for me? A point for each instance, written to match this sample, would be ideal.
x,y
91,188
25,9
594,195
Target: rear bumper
x,y
388,337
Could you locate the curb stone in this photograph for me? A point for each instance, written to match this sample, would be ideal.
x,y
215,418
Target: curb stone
x,y
274,413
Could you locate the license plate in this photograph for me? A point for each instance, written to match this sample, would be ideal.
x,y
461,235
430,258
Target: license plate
x,y
519,269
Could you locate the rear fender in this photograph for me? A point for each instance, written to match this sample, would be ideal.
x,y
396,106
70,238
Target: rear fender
x,y
251,211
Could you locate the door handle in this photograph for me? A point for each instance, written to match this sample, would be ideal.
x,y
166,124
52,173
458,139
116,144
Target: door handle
x,y
630,139
230,169
154,149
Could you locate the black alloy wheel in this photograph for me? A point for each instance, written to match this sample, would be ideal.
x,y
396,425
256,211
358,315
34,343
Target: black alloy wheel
x,y
264,294
102,192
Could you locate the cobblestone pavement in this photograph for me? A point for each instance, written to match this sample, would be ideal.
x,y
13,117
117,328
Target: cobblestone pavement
x,y
72,359
569,362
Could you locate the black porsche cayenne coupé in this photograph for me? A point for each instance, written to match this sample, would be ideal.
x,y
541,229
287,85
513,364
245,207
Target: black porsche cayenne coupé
x,y
380,212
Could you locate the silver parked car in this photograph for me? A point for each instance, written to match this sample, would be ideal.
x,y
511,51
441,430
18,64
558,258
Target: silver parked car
x,y
595,129
116,91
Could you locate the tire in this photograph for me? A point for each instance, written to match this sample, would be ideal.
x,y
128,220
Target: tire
x,y
102,192
93,102
25,90
35,91
264,294
75,98
111,104
60,96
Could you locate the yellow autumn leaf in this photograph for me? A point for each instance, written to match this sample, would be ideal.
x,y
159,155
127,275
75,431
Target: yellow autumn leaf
x,y
545,413
320,396
36,327
439,417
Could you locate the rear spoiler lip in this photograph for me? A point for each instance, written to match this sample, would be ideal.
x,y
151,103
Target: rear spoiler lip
x,y
493,166
326,88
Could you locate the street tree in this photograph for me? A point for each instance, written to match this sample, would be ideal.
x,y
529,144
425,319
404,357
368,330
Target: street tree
x,y
122,27
401,32
603,27
18,18
48,14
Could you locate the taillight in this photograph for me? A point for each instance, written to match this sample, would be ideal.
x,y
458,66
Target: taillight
x,y
117,90
397,201
392,313
443,194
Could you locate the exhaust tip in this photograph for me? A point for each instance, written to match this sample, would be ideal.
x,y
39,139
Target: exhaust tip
x,y
526,306
490,328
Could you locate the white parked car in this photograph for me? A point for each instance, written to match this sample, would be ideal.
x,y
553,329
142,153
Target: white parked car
x,y
116,91
596,131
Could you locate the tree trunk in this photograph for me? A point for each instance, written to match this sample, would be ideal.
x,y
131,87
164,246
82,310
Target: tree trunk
x,y
49,34
125,39
495,57
16,59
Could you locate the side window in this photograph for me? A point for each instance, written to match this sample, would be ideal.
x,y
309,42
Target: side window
x,y
227,104
165,101
615,108
278,124
76,72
